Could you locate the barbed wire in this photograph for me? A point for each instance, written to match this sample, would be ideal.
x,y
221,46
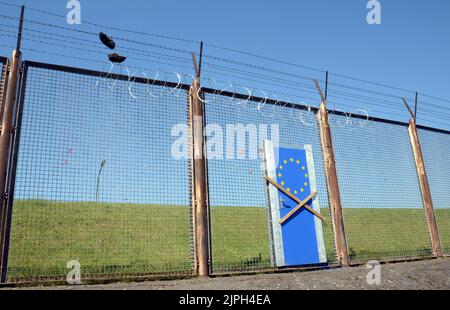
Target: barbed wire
x,y
98,51
372,82
104,26
265,58
288,83
436,98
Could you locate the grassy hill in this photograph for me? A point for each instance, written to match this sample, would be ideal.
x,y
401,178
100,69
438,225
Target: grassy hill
x,y
125,238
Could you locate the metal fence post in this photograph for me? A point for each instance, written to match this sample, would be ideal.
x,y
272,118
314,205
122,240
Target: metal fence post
x,y
5,137
334,195
415,107
12,168
200,189
425,189
201,214
423,181
5,142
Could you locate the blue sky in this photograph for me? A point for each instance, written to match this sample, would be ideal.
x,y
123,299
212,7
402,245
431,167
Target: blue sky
x,y
408,50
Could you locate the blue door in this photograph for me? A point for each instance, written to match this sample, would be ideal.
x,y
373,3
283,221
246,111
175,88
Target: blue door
x,y
299,239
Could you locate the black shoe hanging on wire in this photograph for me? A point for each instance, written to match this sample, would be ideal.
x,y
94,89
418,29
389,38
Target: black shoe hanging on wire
x,y
107,41
116,58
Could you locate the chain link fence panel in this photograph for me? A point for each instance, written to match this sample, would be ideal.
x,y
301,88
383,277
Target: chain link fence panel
x,y
240,233
381,199
96,181
435,148
103,178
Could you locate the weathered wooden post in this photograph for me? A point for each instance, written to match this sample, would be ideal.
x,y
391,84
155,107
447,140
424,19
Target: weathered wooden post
x,y
200,180
6,134
423,182
334,195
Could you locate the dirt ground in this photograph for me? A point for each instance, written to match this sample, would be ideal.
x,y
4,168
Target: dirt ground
x,y
422,275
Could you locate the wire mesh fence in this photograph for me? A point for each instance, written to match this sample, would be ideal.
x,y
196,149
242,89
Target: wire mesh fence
x,y
240,220
436,147
381,199
96,181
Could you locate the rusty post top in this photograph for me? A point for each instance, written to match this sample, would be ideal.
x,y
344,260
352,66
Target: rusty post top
x,y
319,90
19,34
413,116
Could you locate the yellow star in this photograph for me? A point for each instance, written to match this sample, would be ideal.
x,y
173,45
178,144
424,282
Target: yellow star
x,y
306,175
288,189
281,167
282,183
280,175
295,192
306,183
285,161
292,160
303,167
302,190
298,162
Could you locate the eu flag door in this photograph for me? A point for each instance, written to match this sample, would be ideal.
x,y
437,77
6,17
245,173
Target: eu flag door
x,y
299,239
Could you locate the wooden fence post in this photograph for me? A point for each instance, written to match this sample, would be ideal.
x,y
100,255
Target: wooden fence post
x,y
200,189
5,137
425,189
200,192
334,195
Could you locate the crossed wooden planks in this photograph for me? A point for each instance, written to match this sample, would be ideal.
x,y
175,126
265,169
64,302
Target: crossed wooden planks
x,y
300,205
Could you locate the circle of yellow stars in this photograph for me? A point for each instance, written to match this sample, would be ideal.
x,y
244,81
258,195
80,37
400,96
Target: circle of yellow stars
x,y
280,174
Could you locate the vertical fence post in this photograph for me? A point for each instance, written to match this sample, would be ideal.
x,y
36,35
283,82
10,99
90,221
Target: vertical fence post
x,y
415,107
5,143
425,189
5,138
334,195
424,185
200,187
200,191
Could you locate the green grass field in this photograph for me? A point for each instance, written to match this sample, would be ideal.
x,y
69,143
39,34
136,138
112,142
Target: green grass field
x,y
126,238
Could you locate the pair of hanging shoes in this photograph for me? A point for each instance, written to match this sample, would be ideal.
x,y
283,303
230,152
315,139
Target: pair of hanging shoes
x,y
108,42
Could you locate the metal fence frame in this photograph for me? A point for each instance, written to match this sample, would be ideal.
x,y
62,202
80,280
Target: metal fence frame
x,y
12,166
271,103
435,177
347,188
18,117
315,110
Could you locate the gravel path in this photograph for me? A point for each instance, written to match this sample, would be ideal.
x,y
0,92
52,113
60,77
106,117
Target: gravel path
x,y
424,275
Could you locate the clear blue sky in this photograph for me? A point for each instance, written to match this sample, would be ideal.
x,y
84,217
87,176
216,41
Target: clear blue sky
x,y
410,49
